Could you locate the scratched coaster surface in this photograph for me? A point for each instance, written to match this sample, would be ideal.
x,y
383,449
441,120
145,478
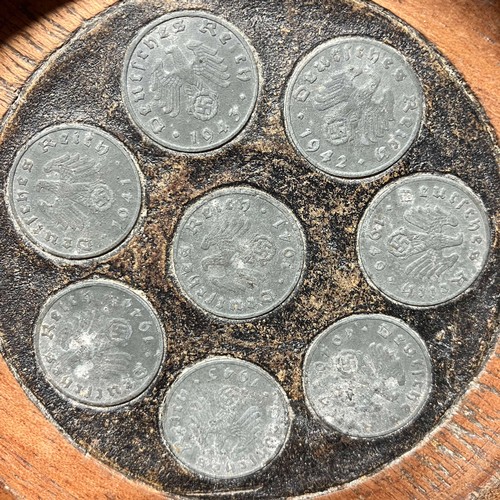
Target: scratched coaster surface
x,y
81,84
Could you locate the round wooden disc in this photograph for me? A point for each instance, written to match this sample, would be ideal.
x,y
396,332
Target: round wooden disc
x,y
457,458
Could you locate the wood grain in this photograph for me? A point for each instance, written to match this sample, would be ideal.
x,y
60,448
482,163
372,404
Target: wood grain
x,y
468,33
458,460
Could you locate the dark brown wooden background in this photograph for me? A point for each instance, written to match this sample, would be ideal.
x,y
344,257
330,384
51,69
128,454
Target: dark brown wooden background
x,y
458,460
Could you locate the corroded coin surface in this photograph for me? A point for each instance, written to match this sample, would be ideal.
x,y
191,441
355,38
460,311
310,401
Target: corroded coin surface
x,y
190,81
225,418
99,343
238,252
353,107
75,191
367,375
424,239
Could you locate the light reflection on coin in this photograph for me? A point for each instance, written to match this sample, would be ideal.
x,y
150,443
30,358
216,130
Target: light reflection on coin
x,y
190,81
367,375
238,252
225,418
424,239
99,343
75,191
353,107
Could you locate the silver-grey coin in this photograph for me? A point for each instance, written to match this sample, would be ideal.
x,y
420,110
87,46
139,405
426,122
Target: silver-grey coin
x,y
190,81
238,252
424,239
75,191
99,343
225,418
353,106
367,375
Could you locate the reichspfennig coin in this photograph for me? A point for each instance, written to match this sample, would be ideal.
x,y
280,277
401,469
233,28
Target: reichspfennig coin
x,y
190,81
225,418
238,252
367,375
99,343
75,191
424,239
353,106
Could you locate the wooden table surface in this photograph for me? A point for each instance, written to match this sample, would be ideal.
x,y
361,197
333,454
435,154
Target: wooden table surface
x,y
460,459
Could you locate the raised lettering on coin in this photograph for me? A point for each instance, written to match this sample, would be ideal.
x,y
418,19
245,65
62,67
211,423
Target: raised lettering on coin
x,y
225,418
424,239
190,81
75,191
367,375
238,252
99,343
353,107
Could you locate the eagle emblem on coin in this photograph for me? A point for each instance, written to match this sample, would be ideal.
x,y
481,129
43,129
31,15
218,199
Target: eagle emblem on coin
x,y
353,112
175,80
76,188
422,243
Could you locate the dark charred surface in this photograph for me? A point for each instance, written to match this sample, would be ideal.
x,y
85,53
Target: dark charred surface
x,y
82,84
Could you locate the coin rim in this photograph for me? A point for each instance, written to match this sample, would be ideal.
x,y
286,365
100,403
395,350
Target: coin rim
x,y
142,32
61,257
391,186
351,319
365,176
194,204
133,397
185,372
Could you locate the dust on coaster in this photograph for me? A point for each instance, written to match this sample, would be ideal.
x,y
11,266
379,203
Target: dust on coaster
x,y
225,418
238,253
353,107
74,191
99,343
367,375
190,81
424,239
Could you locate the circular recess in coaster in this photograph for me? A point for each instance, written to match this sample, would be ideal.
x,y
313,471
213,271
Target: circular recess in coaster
x,y
424,239
99,343
74,191
367,375
190,81
353,107
225,418
238,253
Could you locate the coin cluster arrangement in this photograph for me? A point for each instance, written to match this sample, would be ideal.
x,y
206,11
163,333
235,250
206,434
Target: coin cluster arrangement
x,y
191,80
